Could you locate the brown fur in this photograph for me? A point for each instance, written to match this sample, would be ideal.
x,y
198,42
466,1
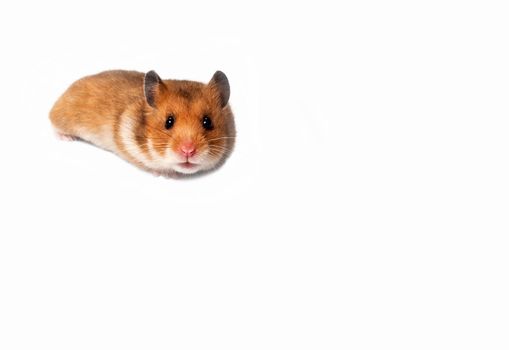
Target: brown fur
x,y
97,108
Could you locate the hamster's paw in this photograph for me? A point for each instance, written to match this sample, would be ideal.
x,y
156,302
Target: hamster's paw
x,y
155,172
65,137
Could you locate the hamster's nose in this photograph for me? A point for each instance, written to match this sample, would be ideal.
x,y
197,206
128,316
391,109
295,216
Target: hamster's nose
x,y
187,149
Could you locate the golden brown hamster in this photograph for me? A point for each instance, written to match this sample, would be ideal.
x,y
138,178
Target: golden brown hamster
x,y
163,126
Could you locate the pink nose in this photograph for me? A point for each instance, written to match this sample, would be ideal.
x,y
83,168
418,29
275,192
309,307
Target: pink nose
x,y
187,149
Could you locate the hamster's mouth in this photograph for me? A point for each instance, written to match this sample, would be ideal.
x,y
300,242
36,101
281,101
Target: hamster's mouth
x,y
188,165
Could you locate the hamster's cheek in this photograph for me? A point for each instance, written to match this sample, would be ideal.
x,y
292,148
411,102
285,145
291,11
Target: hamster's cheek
x,y
209,164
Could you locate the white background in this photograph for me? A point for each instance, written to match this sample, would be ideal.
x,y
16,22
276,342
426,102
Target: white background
x,y
364,207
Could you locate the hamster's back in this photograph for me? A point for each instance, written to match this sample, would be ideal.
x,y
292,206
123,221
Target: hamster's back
x,y
91,105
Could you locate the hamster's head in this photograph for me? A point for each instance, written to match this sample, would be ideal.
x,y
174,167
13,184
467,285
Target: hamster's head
x,y
189,126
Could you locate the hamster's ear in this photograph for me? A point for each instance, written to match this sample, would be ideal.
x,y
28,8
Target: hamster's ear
x,y
153,86
220,84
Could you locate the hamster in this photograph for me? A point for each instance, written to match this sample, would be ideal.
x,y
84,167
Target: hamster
x,y
166,127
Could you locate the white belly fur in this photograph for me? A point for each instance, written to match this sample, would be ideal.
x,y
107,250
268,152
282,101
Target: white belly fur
x,y
103,139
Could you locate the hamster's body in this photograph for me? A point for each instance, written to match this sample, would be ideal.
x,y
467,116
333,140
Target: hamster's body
x,y
163,126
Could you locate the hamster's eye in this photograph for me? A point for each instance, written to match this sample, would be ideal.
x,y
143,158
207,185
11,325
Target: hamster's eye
x,y
169,122
207,123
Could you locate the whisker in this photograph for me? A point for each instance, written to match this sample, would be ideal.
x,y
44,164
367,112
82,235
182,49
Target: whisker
x,y
224,137
222,148
216,152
